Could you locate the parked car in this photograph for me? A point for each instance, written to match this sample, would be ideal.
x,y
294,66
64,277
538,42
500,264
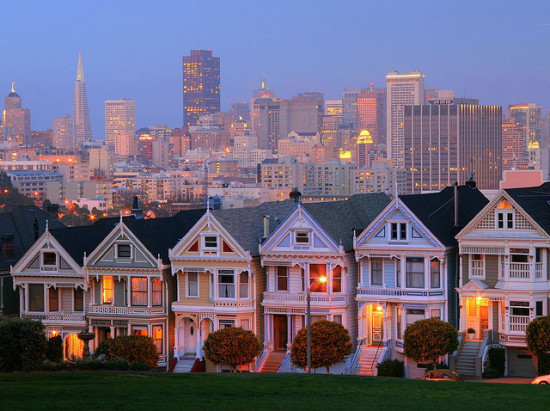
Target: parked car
x,y
442,374
542,379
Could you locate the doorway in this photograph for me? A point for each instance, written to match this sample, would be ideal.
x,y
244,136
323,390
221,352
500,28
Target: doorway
x,y
477,316
377,326
280,332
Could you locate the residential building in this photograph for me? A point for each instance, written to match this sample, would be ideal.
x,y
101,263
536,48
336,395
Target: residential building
x,y
81,113
32,183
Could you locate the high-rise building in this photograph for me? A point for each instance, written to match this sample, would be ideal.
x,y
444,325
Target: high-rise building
x,y
120,126
401,90
16,121
371,110
514,148
81,114
363,146
62,133
201,86
447,143
527,117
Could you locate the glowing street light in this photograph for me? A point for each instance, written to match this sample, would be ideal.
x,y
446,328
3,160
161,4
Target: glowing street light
x,y
322,280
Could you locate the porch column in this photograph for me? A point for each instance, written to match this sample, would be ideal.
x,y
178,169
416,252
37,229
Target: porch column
x,y
288,331
128,291
198,346
402,273
460,271
462,308
149,292
532,254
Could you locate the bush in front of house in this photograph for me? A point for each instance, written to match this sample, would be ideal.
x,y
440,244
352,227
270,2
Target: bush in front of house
x,y
232,345
132,348
537,336
391,368
22,344
497,359
54,349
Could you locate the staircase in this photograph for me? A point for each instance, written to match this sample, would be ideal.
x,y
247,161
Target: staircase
x,y
366,364
185,364
273,361
466,360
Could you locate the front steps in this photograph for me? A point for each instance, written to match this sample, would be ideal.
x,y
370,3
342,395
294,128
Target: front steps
x,y
366,364
185,364
466,360
273,361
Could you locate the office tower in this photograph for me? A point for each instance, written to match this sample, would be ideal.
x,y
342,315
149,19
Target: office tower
x,y
263,91
120,126
447,143
240,112
312,96
371,110
16,121
527,117
401,90
514,148
350,116
333,108
363,146
201,86
62,133
81,114
545,131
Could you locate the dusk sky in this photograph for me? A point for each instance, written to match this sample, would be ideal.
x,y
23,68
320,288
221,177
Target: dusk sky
x,y
497,51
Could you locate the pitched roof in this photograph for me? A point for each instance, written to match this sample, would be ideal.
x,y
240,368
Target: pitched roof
x,y
535,202
436,210
340,218
21,224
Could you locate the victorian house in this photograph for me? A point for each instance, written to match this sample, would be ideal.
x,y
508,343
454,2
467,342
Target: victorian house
x,y
219,277
504,276
407,260
312,252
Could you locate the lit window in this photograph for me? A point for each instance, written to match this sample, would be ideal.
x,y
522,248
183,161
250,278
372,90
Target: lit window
x,y
337,279
318,273
243,285
157,338
157,292
435,277
53,300
49,258
140,331
124,251
139,291
108,289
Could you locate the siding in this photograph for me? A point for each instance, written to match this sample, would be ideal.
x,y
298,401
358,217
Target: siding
x,y
258,275
119,293
66,299
351,292
389,273
491,270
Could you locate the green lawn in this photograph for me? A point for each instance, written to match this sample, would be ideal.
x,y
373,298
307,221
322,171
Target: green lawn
x,y
101,390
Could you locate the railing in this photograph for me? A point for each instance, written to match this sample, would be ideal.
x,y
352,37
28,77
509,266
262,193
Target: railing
x,y
116,310
538,270
397,292
519,322
519,270
244,303
355,357
62,317
281,298
477,268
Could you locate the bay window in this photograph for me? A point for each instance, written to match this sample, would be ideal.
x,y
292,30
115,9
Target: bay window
x,y
435,274
139,291
192,284
107,285
226,284
53,299
36,297
337,279
415,272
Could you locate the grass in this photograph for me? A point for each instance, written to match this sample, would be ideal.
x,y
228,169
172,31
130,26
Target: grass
x,y
110,390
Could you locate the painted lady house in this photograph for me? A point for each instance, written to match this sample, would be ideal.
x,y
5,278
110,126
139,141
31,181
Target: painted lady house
x,y
407,261
219,277
504,277
312,247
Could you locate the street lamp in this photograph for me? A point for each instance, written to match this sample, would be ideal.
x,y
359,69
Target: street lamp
x,y
322,279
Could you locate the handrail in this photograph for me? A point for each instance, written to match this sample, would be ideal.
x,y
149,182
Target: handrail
x,y
375,359
355,357
261,359
284,363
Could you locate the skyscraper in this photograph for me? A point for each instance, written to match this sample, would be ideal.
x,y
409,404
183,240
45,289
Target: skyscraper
x,y
446,143
62,133
201,86
527,117
120,126
16,121
401,90
371,109
81,114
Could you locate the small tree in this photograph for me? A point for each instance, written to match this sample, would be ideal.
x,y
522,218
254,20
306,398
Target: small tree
x,y
330,343
427,340
22,344
54,349
132,348
537,336
232,345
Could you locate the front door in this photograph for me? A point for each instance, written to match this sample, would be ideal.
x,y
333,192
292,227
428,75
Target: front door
x,y
280,332
190,337
377,328
477,316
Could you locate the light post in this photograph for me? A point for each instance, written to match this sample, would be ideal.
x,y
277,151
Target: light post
x,y
321,279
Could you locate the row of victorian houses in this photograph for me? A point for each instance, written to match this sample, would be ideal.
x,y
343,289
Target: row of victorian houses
x,y
453,255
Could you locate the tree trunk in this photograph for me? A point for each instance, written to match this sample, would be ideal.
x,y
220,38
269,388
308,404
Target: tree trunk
x,y
328,370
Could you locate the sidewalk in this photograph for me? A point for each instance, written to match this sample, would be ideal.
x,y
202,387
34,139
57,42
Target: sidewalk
x,y
506,380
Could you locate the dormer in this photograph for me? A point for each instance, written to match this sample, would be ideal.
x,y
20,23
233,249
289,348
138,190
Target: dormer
x,y
504,216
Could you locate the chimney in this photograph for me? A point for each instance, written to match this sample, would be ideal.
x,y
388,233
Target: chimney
x,y
136,208
8,245
266,226
295,195
456,202
471,182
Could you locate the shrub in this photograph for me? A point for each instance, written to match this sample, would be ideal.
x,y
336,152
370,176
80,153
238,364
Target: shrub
x,y
427,340
232,345
543,360
330,343
492,373
132,348
139,366
497,359
438,365
54,349
22,344
537,336
390,368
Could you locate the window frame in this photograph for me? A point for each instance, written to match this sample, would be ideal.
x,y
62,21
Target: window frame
x,y
51,293
34,299
244,285
409,281
279,278
380,272
135,293
300,236
105,301
188,283
75,299
207,242
439,282
44,259
398,231
160,346
228,286
156,293
122,247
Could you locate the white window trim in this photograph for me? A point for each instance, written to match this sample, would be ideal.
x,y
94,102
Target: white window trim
x,y
302,232
235,284
49,267
471,266
398,239
505,212
203,242
187,286
117,245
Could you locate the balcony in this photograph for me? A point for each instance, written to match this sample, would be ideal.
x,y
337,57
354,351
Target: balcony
x,y
520,270
396,292
55,317
518,323
94,310
300,299
234,304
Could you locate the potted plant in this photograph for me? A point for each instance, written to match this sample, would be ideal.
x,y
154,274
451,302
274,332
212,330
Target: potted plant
x,y
471,333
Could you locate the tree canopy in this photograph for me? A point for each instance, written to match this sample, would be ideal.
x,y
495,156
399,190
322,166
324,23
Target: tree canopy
x,y
330,343
537,335
232,345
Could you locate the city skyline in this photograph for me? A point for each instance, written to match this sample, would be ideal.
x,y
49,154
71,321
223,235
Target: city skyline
x,y
482,58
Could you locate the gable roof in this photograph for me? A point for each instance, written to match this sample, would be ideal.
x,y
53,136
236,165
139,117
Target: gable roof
x,y
535,202
436,210
21,224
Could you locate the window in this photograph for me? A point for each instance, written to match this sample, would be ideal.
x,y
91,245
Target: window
x,y
337,279
415,272
243,285
210,241
49,258
520,311
36,297
377,267
316,273
398,273
477,266
140,331
124,251
226,283
53,299
157,338
108,289
157,292
505,219
435,275
538,308
302,237
192,284
282,278
139,290
226,323
398,231
79,299
302,279
398,314
519,258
